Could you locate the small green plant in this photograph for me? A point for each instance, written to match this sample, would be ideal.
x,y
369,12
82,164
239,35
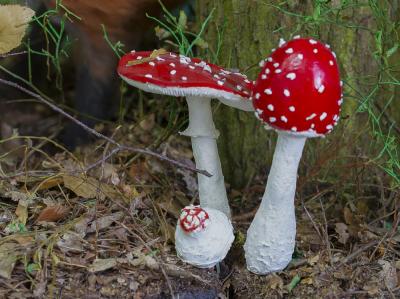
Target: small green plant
x,y
183,39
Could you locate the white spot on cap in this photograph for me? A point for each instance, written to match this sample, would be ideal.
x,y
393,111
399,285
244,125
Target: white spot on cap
x,y
191,67
259,111
267,71
286,92
268,91
340,102
300,56
294,129
334,54
289,51
172,64
335,117
257,96
281,42
273,50
277,71
160,59
152,63
220,83
272,119
341,83
296,37
331,62
173,72
276,64
207,68
328,46
291,76
270,107
261,63
139,57
238,87
148,76
216,76
133,51
270,59
321,88
292,109
311,116
247,81
323,116
263,77
329,127
312,126
312,41
284,119
184,78
315,51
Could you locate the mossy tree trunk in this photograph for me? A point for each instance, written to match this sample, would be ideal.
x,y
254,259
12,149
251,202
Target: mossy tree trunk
x,y
243,32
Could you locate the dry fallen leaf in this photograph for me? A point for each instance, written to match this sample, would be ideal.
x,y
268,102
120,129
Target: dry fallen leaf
x,y
14,20
53,213
88,187
388,274
22,211
102,265
8,257
342,231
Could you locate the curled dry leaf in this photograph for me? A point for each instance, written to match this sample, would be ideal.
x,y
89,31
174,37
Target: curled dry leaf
x,y
53,213
342,231
14,20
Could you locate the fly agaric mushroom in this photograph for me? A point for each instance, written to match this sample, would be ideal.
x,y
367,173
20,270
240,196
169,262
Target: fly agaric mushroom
x,y
203,236
298,94
177,75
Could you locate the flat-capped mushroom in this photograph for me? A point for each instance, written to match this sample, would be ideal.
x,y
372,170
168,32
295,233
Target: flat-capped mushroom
x,y
298,94
177,75
203,236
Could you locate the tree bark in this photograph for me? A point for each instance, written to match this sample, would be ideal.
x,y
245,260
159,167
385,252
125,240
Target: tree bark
x,y
242,32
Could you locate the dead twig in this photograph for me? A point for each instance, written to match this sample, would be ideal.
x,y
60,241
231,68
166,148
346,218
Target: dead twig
x,y
357,253
121,147
328,244
13,54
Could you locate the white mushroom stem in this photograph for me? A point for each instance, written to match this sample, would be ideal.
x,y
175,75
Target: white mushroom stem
x,y
271,237
201,129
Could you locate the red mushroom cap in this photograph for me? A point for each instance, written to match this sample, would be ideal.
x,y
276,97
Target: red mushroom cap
x,y
299,89
177,75
193,219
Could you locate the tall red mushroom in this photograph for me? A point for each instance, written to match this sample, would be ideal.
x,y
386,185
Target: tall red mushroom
x,y
177,75
298,94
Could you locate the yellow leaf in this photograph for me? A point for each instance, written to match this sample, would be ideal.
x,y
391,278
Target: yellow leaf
x,y
88,187
14,20
22,211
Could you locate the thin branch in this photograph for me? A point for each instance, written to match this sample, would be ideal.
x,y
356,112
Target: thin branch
x,y
101,136
13,54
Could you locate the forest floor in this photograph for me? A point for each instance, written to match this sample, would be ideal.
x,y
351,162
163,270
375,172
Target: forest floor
x,y
109,233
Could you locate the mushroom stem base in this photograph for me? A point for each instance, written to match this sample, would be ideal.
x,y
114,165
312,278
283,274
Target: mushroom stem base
x,y
271,237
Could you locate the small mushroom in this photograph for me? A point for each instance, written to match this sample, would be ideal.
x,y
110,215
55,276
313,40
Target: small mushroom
x,y
299,97
177,75
203,236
